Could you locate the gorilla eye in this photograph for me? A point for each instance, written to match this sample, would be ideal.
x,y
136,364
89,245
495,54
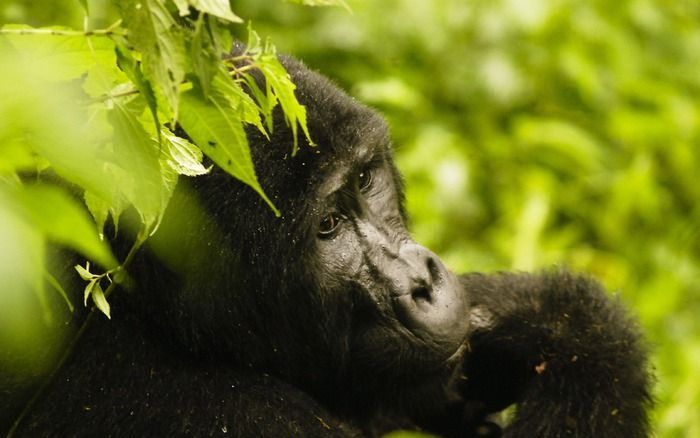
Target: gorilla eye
x,y
328,224
365,179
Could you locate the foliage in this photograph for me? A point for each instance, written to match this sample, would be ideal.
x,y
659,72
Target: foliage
x,y
541,132
93,113
530,132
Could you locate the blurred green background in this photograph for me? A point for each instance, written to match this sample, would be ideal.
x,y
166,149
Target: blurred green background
x,y
531,133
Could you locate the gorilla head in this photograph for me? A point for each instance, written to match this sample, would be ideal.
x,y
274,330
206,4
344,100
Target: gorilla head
x,y
334,295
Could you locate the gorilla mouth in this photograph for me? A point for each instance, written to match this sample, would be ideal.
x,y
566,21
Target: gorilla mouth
x,y
438,317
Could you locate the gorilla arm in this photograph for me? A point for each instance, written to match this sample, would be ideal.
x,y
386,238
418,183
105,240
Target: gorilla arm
x,y
557,346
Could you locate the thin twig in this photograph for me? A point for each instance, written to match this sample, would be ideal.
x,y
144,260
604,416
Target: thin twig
x,y
109,96
56,32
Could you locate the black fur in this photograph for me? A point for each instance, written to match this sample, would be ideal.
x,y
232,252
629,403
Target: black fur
x,y
567,354
243,324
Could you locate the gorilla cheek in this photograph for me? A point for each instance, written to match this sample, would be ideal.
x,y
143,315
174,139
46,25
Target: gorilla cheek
x,y
339,262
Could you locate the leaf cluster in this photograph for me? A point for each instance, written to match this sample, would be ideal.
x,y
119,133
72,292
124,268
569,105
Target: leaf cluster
x,y
93,112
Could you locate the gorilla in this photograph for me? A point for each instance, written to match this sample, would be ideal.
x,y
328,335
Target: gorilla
x,y
330,321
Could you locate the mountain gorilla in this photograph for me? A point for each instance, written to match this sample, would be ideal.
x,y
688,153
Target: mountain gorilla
x,y
332,321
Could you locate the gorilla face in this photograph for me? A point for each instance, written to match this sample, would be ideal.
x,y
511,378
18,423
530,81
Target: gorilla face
x,y
408,309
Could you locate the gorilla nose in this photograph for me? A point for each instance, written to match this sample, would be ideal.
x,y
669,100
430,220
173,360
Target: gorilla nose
x,y
430,304
423,277
415,272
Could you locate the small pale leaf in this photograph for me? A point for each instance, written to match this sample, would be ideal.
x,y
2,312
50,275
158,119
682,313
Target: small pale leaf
x,y
98,297
217,8
85,273
182,156
88,290
183,7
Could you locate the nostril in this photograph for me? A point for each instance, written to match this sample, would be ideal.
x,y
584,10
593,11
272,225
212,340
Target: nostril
x,y
433,268
421,295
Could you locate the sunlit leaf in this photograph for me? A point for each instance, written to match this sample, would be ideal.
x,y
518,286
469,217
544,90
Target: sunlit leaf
x,y
242,102
340,3
182,156
205,59
277,78
94,290
85,273
183,7
154,32
48,121
63,220
70,56
219,132
98,297
217,8
135,153
88,289
220,36
132,68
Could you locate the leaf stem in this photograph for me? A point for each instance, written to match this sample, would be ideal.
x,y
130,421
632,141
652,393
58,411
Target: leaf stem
x,y
109,32
109,96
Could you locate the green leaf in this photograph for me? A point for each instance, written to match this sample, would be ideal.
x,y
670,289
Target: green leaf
x,y
182,156
56,285
132,68
138,158
48,121
340,3
241,101
99,209
217,8
98,297
61,219
205,60
25,337
265,101
154,32
85,273
70,56
219,132
88,290
183,7
277,78
220,36
254,43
